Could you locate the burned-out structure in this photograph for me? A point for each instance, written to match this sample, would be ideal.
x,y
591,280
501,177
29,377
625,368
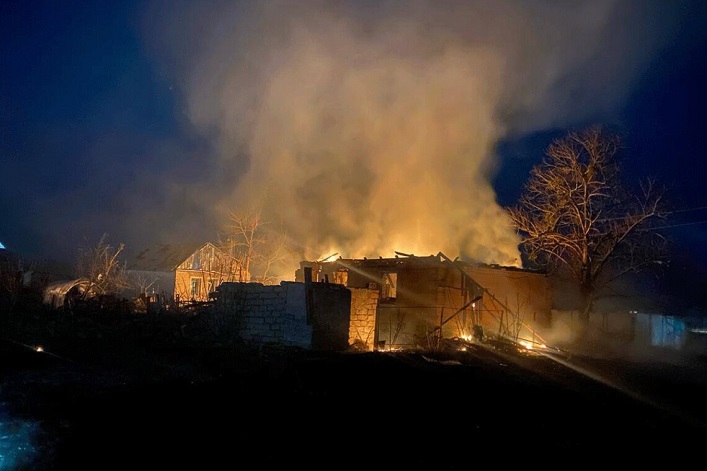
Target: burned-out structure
x,y
422,300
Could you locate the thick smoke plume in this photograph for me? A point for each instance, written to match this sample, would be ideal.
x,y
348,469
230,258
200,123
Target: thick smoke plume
x,y
368,127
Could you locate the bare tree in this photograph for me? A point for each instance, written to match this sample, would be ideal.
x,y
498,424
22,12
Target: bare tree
x,y
250,239
10,283
101,266
575,216
275,251
244,238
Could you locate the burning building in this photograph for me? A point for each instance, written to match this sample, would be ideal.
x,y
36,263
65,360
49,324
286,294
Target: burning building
x,y
421,300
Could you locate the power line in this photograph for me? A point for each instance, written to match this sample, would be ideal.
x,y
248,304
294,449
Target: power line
x,y
698,208
677,225
686,209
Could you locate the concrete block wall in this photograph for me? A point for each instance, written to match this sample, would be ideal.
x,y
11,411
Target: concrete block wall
x,y
330,316
296,330
363,317
258,314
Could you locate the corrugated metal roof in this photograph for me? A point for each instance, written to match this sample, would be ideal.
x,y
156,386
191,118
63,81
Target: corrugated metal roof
x,y
164,258
55,293
64,286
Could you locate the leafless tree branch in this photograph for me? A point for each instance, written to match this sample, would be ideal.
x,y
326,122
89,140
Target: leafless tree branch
x,y
576,215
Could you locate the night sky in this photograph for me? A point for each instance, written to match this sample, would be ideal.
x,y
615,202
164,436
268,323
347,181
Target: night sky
x,y
150,121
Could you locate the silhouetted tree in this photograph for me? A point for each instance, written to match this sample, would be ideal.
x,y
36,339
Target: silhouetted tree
x,y
254,243
10,282
576,217
101,266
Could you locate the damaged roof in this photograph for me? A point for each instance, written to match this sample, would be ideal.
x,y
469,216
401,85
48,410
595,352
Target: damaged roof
x,y
408,260
163,258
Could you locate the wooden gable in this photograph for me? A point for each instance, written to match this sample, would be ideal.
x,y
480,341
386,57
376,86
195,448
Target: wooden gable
x,y
199,274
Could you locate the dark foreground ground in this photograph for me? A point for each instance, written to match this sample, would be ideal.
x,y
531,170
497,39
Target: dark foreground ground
x,y
87,406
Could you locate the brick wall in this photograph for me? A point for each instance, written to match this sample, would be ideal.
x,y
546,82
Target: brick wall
x,y
363,318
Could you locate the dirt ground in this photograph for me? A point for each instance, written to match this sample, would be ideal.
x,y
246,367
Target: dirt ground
x,y
101,403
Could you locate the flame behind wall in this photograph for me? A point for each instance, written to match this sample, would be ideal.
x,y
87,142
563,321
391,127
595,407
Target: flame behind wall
x,y
367,127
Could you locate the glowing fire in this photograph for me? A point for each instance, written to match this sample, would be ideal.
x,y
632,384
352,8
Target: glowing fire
x,y
328,256
531,345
